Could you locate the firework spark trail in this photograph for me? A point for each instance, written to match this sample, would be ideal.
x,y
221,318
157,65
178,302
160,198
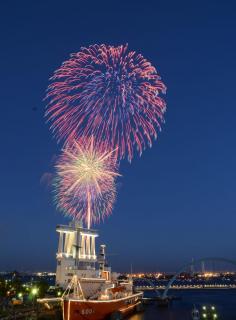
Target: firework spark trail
x,y
110,93
85,182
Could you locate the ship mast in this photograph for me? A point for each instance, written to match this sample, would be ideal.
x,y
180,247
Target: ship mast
x,y
89,210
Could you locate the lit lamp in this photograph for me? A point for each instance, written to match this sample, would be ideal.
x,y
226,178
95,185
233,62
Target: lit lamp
x,y
34,291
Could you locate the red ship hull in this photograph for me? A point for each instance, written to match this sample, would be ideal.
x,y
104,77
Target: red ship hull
x,y
99,309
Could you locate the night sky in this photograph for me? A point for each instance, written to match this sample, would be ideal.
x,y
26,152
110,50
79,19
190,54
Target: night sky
x,y
177,201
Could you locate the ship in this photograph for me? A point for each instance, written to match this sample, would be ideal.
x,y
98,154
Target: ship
x,y
91,290
112,302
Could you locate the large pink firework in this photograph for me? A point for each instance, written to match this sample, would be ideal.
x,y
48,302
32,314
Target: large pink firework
x,y
110,93
85,182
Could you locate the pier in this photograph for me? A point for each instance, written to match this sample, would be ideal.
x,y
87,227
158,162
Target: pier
x,y
183,287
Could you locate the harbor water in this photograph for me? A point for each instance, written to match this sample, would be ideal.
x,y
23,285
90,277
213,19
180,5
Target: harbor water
x,y
224,301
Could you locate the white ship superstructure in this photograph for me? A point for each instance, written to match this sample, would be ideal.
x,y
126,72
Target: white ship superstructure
x,y
77,256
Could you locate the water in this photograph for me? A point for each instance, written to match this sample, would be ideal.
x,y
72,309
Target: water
x,y
223,300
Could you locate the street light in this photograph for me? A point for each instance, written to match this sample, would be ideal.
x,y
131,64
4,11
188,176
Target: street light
x,y
34,291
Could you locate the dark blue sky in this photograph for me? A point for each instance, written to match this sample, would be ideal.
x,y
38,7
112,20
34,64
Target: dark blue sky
x,y
175,202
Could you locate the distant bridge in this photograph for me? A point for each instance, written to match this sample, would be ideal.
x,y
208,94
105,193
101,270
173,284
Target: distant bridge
x,y
192,263
152,286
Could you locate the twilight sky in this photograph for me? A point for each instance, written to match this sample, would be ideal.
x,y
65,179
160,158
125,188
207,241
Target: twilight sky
x,y
178,200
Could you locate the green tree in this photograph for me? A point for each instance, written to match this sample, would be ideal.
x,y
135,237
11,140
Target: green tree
x,y
3,288
43,288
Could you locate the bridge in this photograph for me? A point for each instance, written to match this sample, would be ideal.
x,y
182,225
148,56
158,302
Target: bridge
x,y
170,284
192,263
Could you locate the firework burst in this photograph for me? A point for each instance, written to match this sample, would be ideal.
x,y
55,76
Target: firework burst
x,y
110,93
85,182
